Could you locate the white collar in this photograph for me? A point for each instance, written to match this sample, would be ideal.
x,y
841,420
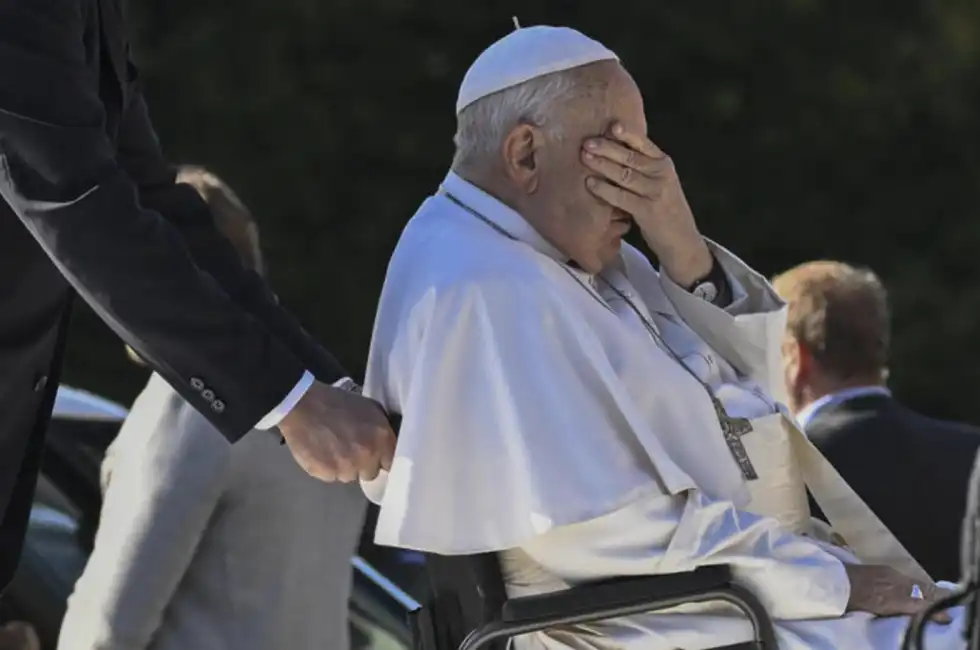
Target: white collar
x,y
806,415
510,221
499,213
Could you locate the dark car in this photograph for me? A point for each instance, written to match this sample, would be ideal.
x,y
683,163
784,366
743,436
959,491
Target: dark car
x,y
65,516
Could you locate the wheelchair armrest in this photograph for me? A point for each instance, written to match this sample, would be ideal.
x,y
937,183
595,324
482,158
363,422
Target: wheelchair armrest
x,y
616,593
625,597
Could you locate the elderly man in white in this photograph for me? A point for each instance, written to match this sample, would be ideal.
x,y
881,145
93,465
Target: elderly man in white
x,y
581,414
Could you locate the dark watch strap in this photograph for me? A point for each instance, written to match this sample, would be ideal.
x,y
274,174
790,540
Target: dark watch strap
x,y
719,278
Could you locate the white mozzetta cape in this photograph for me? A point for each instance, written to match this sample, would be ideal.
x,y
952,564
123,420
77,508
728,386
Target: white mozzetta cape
x,y
512,379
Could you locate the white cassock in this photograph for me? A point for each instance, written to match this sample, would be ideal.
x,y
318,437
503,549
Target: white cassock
x,y
541,420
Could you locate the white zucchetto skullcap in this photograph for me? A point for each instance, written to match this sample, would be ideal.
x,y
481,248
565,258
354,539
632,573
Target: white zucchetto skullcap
x,y
525,54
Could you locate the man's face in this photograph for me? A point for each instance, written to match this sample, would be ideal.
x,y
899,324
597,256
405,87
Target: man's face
x,y
557,203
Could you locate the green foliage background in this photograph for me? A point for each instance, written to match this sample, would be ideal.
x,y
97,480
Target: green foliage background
x,y
801,128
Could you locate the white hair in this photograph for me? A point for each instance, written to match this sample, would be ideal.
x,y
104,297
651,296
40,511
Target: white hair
x,y
482,126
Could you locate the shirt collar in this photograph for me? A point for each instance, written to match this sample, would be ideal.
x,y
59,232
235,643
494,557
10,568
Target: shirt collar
x,y
806,415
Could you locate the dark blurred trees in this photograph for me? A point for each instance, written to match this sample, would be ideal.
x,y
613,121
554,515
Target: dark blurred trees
x,y
802,129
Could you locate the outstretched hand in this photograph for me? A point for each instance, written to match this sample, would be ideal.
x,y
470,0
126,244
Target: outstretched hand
x,y
884,591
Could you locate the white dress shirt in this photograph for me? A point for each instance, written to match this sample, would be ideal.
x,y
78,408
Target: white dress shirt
x,y
276,415
807,414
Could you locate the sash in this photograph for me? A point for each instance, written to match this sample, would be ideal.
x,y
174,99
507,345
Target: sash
x,y
788,463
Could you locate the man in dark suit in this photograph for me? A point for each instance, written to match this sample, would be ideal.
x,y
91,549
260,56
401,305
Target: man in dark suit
x,y
91,207
912,470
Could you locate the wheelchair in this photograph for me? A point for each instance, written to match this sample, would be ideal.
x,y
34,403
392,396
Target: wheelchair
x,y
465,605
466,608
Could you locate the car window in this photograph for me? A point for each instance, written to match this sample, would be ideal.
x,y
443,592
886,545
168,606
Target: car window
x,y
85,441
52,559
366,634
51,504
378,610
53,531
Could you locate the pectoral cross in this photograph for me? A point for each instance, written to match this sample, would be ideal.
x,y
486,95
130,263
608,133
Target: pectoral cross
x,y
733,429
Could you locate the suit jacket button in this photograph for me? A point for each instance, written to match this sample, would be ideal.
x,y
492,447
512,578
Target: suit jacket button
x,y
208,395
41,382
197,383
218,406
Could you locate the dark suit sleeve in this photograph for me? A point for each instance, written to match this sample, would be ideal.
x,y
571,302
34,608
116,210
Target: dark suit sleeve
x,y
141,157
209,333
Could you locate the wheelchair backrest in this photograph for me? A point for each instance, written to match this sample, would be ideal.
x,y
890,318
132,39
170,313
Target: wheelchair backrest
x,y
465,592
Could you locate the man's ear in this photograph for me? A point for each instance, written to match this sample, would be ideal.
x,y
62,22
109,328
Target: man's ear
x,y
795,360
798,361
521,153
806,362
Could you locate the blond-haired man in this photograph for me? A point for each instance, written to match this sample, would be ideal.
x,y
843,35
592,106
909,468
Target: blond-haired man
x,y
912,470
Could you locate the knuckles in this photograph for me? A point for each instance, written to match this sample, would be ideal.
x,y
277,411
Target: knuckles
x,y
363,451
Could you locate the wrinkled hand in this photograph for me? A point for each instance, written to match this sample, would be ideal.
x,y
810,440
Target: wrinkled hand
x,y
884,591
336,435
634,175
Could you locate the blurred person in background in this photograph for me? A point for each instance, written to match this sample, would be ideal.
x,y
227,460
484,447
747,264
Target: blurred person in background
x,y
912,470
206,545
91,206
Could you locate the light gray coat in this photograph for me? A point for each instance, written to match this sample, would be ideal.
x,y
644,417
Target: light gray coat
x,y
212,546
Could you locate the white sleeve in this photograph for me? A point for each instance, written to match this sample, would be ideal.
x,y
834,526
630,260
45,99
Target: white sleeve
x,y
749,332
279,413
794,577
